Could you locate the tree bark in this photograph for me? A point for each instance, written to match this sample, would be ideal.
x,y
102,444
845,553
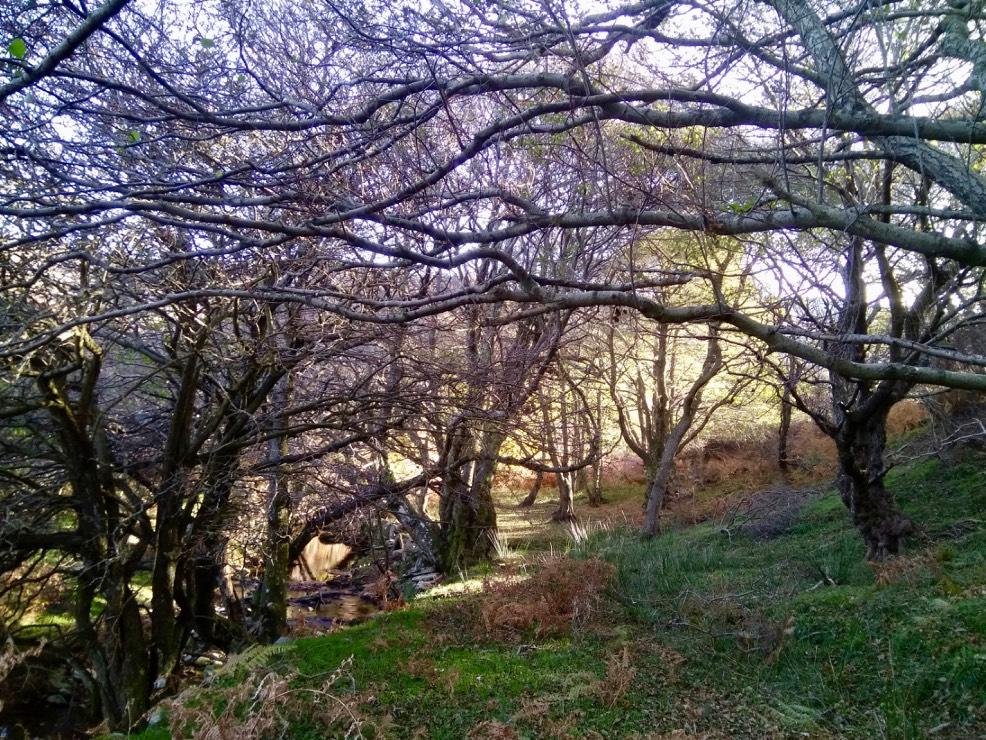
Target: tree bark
x,y
783,432
532,495
277,564
467,512
565,512
656,492
859,411
119,652
861,446
167,634
272,596
596,484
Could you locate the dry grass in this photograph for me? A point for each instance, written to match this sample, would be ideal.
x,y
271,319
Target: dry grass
x,y
620,674
535,712
905,416
671,659
383,591
265,704
492,729
902,569
563,597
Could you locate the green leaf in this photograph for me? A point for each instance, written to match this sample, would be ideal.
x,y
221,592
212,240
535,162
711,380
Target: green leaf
x,y
17,48
741,208
206,43
133,136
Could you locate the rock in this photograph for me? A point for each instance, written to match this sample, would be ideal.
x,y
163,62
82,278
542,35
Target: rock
x,y
422,579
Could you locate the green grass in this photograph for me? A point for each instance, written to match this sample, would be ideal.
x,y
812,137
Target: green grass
x,y
865,660
793,636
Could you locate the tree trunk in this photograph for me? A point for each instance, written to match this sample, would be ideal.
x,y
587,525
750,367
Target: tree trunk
x,y
273,592
860,423
208,538
468,523
272,596
783,432
166,632
566,505
861,444
119,651
119,656
168,635
467,512
657,490
532,495
595,488
127,656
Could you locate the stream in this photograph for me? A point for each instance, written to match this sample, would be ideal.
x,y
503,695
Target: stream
x,y
325,608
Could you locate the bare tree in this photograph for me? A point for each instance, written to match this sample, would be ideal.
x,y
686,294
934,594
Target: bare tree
x,y
163,194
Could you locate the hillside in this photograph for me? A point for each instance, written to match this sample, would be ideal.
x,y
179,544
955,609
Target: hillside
x,y
767,623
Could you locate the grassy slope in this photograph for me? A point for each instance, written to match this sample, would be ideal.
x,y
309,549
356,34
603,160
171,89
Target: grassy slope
x,y
724,636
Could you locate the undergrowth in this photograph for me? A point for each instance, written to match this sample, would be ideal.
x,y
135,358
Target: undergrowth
x,y
563,596
701,632
267,702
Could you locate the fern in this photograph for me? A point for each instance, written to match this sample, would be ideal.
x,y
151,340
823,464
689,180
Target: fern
x,y
251,658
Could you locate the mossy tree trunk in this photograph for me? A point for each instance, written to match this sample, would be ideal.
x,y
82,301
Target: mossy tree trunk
x,y
467,512
167,634
272,596
861,446
273,607
203,566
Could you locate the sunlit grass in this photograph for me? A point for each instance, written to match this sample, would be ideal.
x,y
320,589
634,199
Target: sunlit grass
x,y
530,530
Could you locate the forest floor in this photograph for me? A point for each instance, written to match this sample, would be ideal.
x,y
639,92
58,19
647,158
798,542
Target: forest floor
x,y
763,621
